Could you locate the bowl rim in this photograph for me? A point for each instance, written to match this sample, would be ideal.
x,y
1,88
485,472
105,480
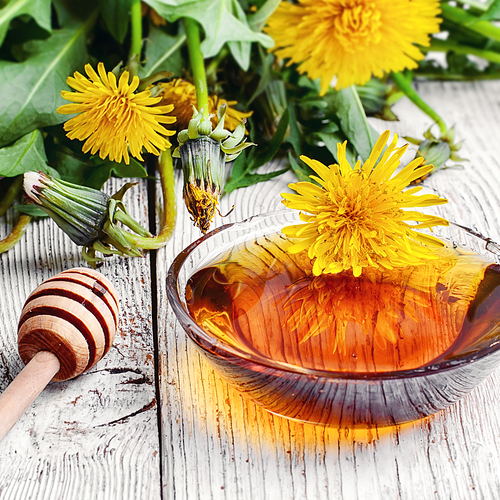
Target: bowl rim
x,y
187,322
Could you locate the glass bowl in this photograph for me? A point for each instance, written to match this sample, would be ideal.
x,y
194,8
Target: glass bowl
x,y
402,346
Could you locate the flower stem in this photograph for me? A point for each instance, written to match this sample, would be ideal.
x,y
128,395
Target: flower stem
x,y
197,64
463,18
401,81
11,194
449,45
136,30
16,233
214,63
167,178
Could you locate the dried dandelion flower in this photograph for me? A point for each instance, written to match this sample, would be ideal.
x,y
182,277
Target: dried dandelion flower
x,y
204,151
92,219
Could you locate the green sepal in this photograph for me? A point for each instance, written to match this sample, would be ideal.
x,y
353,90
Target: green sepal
x,y
90,217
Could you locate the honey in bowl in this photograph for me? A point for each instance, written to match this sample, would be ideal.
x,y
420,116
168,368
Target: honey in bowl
x,y
382,349
265,301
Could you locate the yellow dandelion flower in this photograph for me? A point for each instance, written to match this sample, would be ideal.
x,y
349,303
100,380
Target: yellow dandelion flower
x,y
352,39
182,94
233,117
357,217
112,118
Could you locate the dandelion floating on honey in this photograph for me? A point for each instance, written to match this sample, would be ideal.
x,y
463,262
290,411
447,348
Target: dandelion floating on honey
x,y
262,299
352,40
359,217
371,266
114,119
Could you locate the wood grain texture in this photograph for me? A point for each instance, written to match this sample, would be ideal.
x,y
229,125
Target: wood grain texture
x,y
95,437
217,445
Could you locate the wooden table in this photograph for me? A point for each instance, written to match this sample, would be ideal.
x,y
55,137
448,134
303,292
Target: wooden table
x,y
152,420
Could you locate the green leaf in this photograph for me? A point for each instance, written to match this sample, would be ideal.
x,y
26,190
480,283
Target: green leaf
x,y
25,155
258,20
163,52
133,169
331,140
242,174
353,121
103,169
264,70
295,136
263,155
240,50
31,209
39,10
250,179
299,171
34,86
492,13
116,15
217,20
70,12
241,53
373,95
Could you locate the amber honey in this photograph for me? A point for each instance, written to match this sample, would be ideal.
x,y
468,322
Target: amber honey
x,y
264,301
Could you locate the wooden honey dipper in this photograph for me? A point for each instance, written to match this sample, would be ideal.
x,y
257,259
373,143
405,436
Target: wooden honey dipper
x,y
67,325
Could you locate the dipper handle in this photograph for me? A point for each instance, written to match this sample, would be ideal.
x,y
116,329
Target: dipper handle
x,y
67,325
25,388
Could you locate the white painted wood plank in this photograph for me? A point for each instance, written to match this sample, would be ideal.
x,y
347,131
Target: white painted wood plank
x,y
217,445
95,437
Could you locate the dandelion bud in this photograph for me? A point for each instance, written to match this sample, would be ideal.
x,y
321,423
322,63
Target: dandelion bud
x,y
88,216
203,164
203,152
80,212
436,151
205,127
